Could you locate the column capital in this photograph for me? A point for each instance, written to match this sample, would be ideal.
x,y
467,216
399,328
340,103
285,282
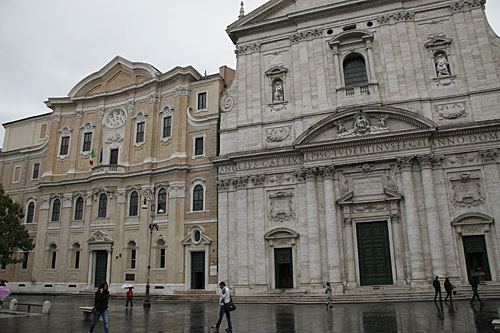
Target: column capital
x,y
223,184
428,161
258,180
405,163
327,171
240,182
306,174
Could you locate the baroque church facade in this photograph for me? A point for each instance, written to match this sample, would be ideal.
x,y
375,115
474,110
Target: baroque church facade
x,y
120,164
359,146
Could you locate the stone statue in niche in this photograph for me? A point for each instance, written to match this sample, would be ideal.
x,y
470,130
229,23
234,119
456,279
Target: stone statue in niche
x,y
442,65
278,95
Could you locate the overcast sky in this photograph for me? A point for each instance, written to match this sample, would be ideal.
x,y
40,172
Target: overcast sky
x,y
48,46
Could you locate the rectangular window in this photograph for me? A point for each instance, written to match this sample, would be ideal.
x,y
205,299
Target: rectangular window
x,y
87,141
140,133
77,260
36,170
64,146
25,260
4,265
113,156
132,258
198,146
17,174
162,258
202,101
53,263
167,127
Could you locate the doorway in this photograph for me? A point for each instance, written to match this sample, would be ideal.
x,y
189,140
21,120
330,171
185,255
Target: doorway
x,y
101,266
374,253
283,267
197,270
476,257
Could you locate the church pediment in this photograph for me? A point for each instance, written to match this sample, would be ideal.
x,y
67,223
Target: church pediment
x,y
99,237
363,123
117,74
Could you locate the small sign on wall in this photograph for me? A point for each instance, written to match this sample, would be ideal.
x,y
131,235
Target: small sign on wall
x,y
213,270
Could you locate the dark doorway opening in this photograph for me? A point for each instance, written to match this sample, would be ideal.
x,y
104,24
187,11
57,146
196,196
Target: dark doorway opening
x,y
476,257
374,253
101,266
197,270
283,266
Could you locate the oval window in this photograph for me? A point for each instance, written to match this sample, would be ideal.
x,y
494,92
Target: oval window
x,y
197,236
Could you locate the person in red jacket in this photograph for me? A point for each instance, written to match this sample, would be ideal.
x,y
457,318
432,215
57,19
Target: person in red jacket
x,y
130,296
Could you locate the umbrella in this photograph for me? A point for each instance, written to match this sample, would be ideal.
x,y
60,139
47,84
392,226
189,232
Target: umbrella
x,y
126,286
4,292
3,280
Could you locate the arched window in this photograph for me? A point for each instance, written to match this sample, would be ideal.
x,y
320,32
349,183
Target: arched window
x,y
56,210
52,256
198,198
162,201
160,253
134,204
355,70
79,209
30,215
76,256
132,254
103,202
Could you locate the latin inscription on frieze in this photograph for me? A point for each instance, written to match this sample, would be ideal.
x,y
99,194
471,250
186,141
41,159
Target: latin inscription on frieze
x,y
261,164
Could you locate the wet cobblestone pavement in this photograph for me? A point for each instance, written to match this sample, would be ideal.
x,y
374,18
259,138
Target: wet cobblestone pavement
x,y
198,317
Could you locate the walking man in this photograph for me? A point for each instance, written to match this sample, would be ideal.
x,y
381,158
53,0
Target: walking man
x,y
449,289
474,282
437,288
328,293
224,298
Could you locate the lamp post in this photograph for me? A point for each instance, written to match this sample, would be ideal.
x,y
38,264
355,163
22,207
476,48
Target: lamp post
x,y
150,196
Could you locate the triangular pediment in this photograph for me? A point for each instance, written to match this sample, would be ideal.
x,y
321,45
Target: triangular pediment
x,y
99,237
117,74
364,123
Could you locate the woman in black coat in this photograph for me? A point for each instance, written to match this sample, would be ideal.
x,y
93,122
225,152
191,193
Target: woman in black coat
x,y
101,307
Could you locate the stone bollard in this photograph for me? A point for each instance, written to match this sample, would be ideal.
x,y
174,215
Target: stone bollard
x,y
46,307
13,304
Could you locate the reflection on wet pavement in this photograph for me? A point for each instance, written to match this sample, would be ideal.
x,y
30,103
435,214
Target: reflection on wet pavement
x,y
458,316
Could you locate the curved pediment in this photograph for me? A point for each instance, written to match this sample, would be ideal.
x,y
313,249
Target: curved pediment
x,y
117,74
363,123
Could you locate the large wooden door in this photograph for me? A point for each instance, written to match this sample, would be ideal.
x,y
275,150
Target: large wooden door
x,y
197,270
374,253
476,257
101,266
283,267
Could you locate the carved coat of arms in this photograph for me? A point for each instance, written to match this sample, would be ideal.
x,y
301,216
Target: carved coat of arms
x,y
466,190
281,206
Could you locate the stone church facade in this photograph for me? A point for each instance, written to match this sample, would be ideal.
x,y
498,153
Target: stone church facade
x,y
129,146
359,146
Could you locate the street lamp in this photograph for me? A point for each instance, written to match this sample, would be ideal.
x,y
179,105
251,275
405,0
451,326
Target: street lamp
x,y
150,196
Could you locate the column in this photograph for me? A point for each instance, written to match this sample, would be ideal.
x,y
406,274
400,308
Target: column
x,y
371,66
432,215
312,226
91,259
336,63
108,267
331,226
350,262
398,248
405,164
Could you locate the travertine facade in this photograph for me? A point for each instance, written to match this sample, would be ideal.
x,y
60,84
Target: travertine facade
x,y
127,142
359,146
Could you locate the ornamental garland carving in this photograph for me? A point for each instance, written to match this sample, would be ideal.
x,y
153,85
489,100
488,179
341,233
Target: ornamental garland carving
x,y
182,90
395,17
247,49
488,155
466,190
278,134
305,35
281,206
451,111
114,138
280,178
115,118
467,5
462,158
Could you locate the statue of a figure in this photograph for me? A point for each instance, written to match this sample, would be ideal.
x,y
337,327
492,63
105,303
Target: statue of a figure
x,y
340,127
278,91
381,122
442,67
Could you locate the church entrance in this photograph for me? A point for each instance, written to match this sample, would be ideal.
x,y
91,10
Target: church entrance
x,y
283,267
197,270
101,266
476,257
374,253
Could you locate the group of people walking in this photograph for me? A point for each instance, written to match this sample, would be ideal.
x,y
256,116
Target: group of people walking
x,y
474,282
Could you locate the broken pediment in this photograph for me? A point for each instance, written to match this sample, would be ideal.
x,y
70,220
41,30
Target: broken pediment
x,y
117,74
361,123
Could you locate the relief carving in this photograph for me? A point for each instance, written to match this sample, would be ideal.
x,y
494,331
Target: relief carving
x,y
462,159
246,49
258,180
451,111
369,208
488,155
361,126
114,138
395,17
280,178
182,90
278,134
115,118
466,190
154,98
281,206
305,35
